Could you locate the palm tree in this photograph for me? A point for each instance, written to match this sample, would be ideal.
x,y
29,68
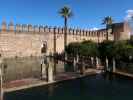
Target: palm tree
x,y
108,22
66,13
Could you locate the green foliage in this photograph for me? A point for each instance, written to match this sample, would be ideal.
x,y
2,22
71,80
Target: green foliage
x,y
106,49
73,48
107,21
86,48
123,50
119,50
65,12
131,40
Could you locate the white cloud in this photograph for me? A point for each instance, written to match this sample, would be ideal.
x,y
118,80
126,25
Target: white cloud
x,y
129,15
94,29
129,19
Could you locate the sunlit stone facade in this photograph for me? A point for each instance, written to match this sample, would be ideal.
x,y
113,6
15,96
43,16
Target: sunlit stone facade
x,y
27,40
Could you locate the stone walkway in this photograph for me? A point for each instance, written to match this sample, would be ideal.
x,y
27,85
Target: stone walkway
x,y
123,73
32,82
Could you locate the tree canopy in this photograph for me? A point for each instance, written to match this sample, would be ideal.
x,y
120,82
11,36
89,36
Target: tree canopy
x,y
121,50
65,12
86,48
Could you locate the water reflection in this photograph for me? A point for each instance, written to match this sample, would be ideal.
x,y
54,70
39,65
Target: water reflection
x,y
69,67
108,76
51,90
96,87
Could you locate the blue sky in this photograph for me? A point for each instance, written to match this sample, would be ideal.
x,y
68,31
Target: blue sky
x,y
87,13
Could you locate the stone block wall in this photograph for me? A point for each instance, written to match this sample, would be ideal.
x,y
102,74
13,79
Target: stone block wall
x,y
27,40
20,68
21,44
29,43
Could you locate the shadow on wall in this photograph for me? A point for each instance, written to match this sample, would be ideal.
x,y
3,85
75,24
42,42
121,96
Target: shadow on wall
x,y
25,67
20,68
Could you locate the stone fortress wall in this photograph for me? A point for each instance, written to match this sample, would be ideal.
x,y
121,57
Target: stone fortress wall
x,y
27,40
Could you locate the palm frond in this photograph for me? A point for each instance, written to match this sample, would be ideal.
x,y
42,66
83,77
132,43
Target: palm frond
x,y
65,12
107,20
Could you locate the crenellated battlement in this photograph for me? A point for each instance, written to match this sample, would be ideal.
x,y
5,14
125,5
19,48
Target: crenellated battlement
x,y
26,39
20,28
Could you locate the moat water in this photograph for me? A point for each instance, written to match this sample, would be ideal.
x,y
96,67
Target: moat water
x,y
96,87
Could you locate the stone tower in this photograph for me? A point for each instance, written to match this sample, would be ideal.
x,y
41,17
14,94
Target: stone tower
x,y
127,31
11,26
4,26
121,31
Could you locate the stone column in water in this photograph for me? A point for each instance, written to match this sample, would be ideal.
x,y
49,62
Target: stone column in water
x,y
44,62
114,65
77,58
43,66
107,65
50,70
77,61
74,64
97,63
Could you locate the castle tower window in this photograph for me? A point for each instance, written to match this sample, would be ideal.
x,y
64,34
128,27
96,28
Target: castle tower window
x,y
44,48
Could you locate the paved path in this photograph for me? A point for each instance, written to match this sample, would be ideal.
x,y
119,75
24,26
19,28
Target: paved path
x,y
32,82
124,73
